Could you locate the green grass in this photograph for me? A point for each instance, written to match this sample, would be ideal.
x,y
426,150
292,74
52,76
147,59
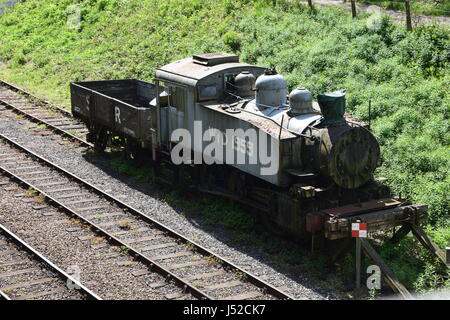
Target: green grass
x,y
215,211
143,174
406,75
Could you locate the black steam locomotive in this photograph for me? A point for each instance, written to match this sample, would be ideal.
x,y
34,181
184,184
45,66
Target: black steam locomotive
x,y
230,129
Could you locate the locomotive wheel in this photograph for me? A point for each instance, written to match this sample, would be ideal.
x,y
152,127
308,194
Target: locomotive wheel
x,y
237,183
271,226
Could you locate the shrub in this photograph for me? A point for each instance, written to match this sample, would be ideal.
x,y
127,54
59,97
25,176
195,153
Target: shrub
x,y
232,40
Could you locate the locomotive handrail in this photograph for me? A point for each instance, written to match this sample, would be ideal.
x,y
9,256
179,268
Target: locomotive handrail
x,y
259,104
268,118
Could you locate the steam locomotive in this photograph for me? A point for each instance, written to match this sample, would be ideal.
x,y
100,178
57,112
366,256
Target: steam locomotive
x,y
230,129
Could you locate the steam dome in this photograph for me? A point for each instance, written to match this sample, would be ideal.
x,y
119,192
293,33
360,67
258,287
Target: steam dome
x,y
244,83
270,90
300,101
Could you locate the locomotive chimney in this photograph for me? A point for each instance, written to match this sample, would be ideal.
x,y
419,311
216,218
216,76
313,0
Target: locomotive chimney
x,y
332,106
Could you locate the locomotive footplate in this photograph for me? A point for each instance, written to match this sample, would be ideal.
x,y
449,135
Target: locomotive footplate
x,y
379,215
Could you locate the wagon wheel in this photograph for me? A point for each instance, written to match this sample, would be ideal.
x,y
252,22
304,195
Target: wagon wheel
x,y
131,149
100,140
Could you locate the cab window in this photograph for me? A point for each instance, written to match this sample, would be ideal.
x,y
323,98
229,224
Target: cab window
x,y
207,92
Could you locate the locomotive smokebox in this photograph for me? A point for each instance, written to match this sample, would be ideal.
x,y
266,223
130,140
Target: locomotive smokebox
x,y
348,152
349,155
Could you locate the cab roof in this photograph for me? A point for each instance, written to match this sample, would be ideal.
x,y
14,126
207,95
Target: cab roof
x,y
193,69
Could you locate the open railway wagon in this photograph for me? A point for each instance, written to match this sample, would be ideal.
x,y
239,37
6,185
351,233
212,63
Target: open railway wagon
x,y
315,177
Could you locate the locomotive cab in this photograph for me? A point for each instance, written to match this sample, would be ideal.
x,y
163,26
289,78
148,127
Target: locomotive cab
x,y
304,139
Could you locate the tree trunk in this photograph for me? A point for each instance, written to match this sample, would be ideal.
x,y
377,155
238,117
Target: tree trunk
x,y
353,9
408,16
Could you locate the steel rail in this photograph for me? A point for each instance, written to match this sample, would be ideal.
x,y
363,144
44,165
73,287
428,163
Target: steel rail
x,y
39,257
249,277
4,296
23,91
50,126
153,266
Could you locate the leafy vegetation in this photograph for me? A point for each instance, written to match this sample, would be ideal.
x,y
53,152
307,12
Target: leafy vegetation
x,y
144,174
404,74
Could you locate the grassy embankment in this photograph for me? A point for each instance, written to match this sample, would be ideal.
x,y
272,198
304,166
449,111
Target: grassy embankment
x,y
405,75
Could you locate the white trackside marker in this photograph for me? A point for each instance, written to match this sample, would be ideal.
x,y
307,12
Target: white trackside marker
x,y
359,230
117,113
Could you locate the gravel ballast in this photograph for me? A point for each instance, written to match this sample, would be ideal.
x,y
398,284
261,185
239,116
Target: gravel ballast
x,y
143,197
102,267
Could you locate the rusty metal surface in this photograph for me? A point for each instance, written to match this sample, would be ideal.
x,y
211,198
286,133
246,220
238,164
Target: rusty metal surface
x,y
212,59
282,117
338,227
119,105
250,126
314,223
363,207
348,155
341,153
352,119
267,125
189,69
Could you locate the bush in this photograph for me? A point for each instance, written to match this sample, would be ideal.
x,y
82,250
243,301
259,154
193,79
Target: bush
x,y
232,40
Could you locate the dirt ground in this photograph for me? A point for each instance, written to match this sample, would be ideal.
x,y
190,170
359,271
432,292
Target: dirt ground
x,y
417,19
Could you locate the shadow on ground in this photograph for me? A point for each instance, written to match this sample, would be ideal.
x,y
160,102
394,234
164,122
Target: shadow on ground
x,y
291,258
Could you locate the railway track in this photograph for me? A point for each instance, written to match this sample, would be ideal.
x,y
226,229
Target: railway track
x,y
193,268
50,117
25,274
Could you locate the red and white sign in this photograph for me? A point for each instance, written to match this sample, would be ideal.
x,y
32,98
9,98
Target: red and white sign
x,y
359,230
